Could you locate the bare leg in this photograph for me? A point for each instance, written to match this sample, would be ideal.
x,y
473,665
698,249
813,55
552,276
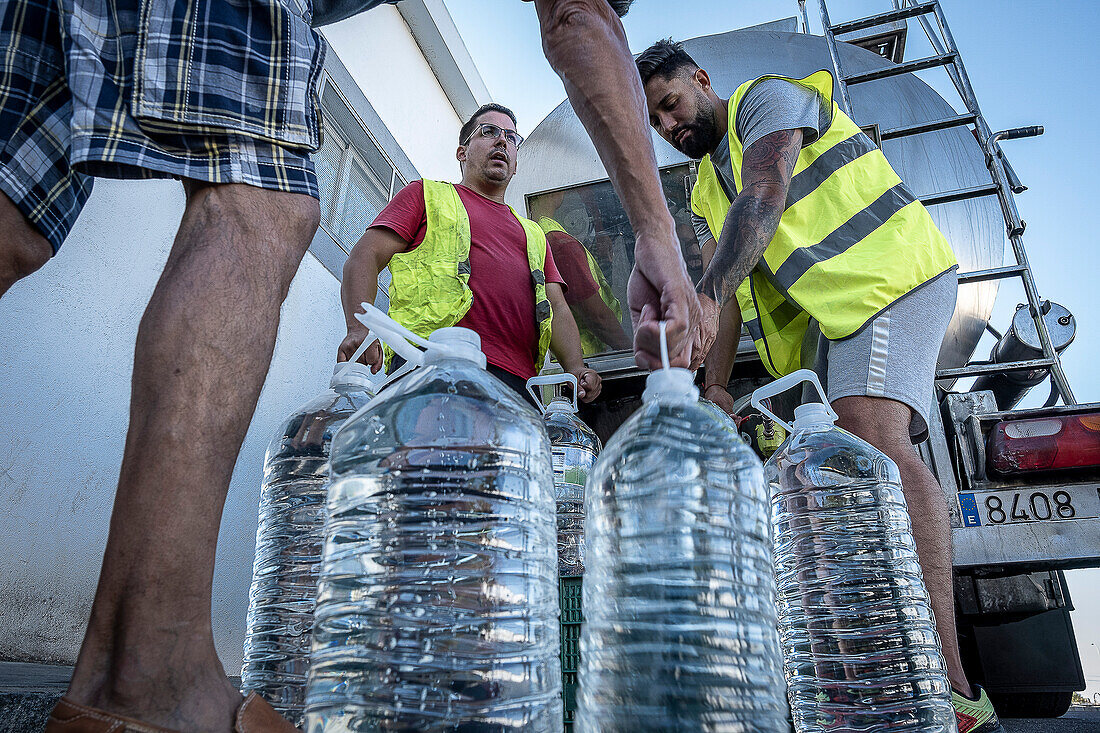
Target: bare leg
x,y
884,423
22,249
202,353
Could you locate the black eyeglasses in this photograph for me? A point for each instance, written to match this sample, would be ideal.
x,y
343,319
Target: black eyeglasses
x,y
491,132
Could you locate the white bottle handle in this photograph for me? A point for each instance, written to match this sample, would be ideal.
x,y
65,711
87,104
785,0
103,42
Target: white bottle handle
x,y
563,378
381,326
403,341
782,385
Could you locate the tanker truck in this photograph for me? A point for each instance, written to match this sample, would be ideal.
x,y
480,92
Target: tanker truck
x,y
1023,484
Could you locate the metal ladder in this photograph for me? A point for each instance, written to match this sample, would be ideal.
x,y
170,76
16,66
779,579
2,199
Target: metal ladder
x,y
1003,181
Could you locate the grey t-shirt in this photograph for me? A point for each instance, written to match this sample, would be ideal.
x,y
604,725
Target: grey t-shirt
x,y
768,106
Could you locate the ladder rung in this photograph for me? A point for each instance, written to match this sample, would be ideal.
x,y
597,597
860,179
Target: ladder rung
x,y
883,18
975,370
933,126
993,273
909,67
959,194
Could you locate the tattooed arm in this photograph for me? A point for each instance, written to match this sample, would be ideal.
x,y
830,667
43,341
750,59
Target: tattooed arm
x,y
754,215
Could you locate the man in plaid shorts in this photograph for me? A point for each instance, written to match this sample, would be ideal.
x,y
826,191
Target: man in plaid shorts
x,y
223,96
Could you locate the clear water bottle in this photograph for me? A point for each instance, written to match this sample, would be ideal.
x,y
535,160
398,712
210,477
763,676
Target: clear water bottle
x,y
718,412
679,595
574,447
437,602
860,644
289,538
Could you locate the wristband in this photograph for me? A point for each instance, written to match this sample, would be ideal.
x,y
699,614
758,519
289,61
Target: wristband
x,y
713,384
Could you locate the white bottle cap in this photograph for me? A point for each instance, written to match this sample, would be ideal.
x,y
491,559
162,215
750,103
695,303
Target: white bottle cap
x,y
356,375
455,343
560,404
812,415
669,384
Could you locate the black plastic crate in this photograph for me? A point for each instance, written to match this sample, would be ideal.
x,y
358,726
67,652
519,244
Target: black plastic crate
x,y
572,617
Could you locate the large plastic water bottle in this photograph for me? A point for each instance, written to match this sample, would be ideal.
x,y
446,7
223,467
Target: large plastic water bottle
x,y
574,447
860,644
437,604
679,596
289,538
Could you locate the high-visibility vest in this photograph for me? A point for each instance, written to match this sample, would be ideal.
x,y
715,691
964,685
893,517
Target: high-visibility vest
x,y
430,285
851,241
590,342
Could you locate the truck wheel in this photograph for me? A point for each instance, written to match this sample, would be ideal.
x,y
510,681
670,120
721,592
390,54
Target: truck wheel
x,y
1031,704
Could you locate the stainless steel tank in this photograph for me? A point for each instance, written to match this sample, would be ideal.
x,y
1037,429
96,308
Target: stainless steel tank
x,y
558,157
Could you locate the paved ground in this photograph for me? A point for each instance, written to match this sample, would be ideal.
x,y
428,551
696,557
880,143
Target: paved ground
x,y
28,691
1078,720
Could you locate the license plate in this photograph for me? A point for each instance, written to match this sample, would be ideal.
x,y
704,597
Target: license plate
x,y
1018,506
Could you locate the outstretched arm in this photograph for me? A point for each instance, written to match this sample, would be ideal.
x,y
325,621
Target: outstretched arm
x,y
753,217
585,43
370,255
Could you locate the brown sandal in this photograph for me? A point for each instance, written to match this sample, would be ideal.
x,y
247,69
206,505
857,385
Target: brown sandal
x,y
253,716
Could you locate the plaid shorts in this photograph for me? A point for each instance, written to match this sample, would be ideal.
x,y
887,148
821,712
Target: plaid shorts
x,y
213,90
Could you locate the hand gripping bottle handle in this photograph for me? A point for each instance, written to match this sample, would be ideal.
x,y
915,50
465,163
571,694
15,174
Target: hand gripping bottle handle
x,y
563,378
394,334
782,385
404,342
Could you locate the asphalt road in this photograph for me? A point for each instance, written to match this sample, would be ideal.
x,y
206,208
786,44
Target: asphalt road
x,y
1078,720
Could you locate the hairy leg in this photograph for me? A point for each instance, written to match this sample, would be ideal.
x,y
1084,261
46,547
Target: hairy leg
x,y
203,349
884,423
22,249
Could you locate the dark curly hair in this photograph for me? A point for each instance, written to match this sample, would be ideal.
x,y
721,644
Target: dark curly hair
x,y
665,59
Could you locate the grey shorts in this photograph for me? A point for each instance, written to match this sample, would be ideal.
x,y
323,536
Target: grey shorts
x,y
894,356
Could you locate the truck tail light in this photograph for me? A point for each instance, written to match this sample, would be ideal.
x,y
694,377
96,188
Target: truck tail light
x,y
1045,444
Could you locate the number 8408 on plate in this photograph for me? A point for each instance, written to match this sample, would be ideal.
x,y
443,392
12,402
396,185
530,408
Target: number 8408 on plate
x,y
1048,504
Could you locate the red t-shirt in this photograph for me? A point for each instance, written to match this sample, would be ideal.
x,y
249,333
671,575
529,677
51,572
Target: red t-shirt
x,y
503,309
572,262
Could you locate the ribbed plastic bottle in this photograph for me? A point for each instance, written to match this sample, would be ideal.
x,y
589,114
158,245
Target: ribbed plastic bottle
x,y
719,413
860,644
679,596
574,447
289,539
437,605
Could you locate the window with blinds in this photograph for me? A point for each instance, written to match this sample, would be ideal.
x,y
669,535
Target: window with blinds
x,y
354,175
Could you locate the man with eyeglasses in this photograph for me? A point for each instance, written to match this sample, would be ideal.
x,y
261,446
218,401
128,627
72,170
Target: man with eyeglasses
x,y
459,256
148,658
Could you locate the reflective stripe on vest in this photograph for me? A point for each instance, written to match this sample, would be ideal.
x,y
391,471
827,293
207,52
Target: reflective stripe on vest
x,y
851,241
430,286
590,342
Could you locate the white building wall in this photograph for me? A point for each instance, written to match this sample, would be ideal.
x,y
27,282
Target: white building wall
x,y
66,352
382,56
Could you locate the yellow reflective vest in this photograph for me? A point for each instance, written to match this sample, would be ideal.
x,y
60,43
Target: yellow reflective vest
x,y
430,286
851,241
590,342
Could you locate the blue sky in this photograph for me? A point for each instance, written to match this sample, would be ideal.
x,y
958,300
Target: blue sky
x,y
1030,61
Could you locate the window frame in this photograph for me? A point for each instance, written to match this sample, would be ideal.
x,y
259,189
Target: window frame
x,y
327,246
